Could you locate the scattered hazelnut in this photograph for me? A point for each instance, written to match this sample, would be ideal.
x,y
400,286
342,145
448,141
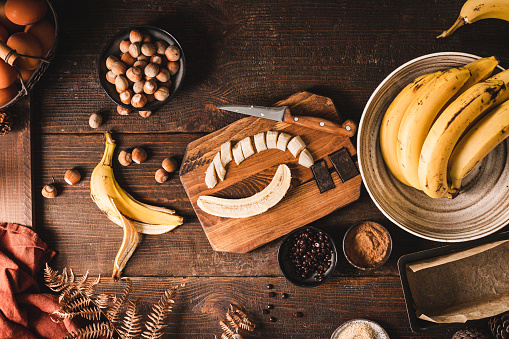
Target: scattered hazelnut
x,y
156,59
110,76
95,120
49,191
110,60
136,36
126,96
161,175
172,53
150,87
163,75
151,70
122,110
135,50
173,67
118,67
127,59
143,58
145,114
125,158
138,86
169,165
121,83
161,46
124,46
139,100
139,155
72,176
134,74
148,49
162,93
140,64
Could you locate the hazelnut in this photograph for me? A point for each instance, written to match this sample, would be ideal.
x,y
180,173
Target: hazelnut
x,y
139,155
125,158
110,60
135,50
118,67
150,78
163,75
126,96
121,83
139,100
173,67
134,74
95,120
140,64
150,87
110,76
161,175
122,110
166,84
145,114
162,93
172,53
124,46
169,165
147,38
161,46
156,59
151,70
138,86
72,176
49,191
143,58
127,59
148,49
136,36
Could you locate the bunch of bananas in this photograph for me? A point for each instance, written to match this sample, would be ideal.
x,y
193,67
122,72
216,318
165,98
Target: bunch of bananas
x,y
441,125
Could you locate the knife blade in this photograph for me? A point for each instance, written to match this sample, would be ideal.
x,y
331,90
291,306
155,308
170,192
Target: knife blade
x,y
282,113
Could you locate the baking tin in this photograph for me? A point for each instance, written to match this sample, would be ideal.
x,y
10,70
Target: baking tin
x,y
418,325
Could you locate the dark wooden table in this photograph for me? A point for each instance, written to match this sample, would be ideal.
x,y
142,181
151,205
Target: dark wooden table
x,y
257,52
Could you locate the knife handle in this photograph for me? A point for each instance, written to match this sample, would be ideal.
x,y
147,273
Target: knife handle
x,y
347,128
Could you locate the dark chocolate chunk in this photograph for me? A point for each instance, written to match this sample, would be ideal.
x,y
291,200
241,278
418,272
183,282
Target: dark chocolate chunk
x,y
322,176
344,164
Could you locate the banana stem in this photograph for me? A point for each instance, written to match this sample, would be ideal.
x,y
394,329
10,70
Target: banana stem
x,y
459,22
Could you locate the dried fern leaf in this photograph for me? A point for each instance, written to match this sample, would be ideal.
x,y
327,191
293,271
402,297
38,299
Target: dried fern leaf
x,y
226,329
234,320
155,324
104,300
89,289
131,325
58,282
245,322
226,336
96,330
114,312
77,304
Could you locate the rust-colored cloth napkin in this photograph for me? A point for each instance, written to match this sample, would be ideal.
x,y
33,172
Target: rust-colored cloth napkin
x,y
24,312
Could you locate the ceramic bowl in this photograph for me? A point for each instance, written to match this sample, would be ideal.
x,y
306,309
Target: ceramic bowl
x,y
379,332
112,48
482,206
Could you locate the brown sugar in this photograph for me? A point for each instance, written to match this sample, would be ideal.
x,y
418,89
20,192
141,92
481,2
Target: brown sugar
x,y
367,244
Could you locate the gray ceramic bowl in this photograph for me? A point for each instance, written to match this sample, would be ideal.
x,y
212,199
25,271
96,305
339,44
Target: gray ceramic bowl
x,y
480,209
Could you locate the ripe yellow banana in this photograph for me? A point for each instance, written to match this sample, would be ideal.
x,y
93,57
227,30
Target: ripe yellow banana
x,y
253,205
450,126
145,218
484,136
420,115
475,10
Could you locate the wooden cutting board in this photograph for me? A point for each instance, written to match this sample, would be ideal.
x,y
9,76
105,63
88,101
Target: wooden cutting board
x,y
303,202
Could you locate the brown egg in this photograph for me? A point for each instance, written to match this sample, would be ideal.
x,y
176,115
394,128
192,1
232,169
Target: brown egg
x,y
26,74
25,43
44,32
7,94
25,12
10,26
7,74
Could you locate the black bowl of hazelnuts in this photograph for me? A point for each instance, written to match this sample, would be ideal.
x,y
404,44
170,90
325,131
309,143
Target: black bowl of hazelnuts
x,y
141,68
307,257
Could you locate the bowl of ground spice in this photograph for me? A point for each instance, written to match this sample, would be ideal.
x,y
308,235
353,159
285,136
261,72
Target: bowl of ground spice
x,y
367,245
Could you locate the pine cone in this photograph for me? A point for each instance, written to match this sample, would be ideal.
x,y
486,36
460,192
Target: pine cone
x,y
471,333
5,123
499,325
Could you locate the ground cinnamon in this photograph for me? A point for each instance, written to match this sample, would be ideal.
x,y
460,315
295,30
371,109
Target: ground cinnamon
x,y
367,244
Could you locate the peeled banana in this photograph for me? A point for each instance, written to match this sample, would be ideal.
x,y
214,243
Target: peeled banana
x,y
253,205
475,10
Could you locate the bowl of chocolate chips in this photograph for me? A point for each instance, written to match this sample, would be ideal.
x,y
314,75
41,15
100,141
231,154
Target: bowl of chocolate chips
x,y
307,257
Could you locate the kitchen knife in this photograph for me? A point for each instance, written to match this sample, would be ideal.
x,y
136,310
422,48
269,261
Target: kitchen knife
x,y
282,113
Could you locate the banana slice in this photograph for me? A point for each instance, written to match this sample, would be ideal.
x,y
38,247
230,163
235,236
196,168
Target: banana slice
x,y
237,153
247,147
259,140
306,159
296,145
272,139
282,141
226,153
220,171
253,205
210,176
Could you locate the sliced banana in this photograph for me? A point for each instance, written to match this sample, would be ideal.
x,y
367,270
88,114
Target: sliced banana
x,y
306,159
226,153
247,147
210,176
220,170
272,139
259,140
282,141
296,145
237,153
253,205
